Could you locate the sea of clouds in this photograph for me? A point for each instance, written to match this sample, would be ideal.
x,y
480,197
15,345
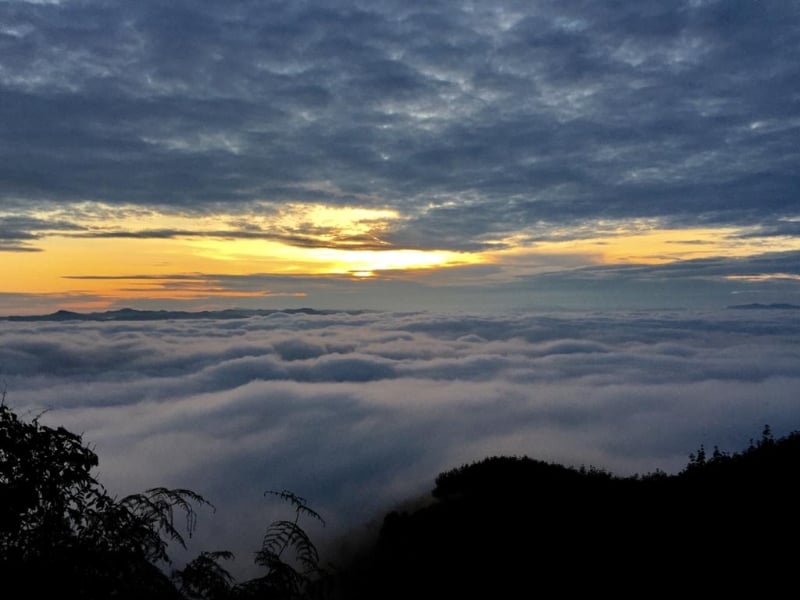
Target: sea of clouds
x,y
357,411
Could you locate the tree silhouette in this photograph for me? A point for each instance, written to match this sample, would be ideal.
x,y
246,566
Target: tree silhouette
x,y
61,531
63,535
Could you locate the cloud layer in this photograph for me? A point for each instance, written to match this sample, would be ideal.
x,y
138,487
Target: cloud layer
x,y
472,120
357,411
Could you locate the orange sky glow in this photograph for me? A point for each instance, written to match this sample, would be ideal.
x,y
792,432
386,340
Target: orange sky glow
x,y
98,267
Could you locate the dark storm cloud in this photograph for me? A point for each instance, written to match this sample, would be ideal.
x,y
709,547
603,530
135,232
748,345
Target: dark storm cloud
x,y
474,120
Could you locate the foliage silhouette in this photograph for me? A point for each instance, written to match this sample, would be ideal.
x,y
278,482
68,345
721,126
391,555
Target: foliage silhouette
x,y
508,526
495,528
61,531
204,579
62,534
293,578
282,535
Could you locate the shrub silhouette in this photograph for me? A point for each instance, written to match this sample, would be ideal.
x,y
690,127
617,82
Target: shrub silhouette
x,y
63,535
60,529
501,527
286,535
515,526
295,578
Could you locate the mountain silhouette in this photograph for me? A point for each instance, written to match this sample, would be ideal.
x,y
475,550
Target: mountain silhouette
x,y
519,527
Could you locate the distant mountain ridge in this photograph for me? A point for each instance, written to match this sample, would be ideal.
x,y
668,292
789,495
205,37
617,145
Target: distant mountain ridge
x,y
132,314
758,306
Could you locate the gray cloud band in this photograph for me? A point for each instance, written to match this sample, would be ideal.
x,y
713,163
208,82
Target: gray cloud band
x,y
470,120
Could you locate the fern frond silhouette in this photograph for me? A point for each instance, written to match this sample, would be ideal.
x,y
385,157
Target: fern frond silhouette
x,y
289,577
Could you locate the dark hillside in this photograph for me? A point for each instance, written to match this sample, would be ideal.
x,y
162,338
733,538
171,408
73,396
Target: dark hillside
x,y
507,526
504,527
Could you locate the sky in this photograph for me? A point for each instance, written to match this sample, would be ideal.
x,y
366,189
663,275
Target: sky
x,y
398,156
357,412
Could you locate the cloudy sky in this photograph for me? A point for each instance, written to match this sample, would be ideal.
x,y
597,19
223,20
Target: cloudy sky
x,y
356,412
388,154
